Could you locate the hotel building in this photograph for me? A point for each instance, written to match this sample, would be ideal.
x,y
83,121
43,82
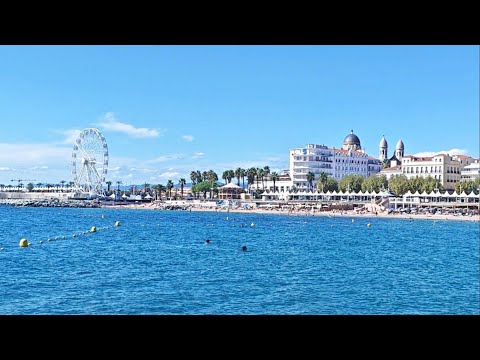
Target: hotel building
x,y
442,167
336,163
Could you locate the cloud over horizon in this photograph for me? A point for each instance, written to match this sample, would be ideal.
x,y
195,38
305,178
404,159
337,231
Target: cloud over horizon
x,y
450,152
111,123
188,138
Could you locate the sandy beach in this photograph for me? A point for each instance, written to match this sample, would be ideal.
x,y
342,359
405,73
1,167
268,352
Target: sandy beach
x,y
302,212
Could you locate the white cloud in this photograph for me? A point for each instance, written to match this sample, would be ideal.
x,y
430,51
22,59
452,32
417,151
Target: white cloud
x,y
187,137
29,154
39,168
450,152
6,169
169,175
164,158
110,122
198,154
71,136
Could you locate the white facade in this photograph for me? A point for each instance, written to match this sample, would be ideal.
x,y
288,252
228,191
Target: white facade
x,y
284,183
391,171
471,171
336,163
442,167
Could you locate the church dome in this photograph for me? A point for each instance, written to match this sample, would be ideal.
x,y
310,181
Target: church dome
x,y
383,142
351,139
400,145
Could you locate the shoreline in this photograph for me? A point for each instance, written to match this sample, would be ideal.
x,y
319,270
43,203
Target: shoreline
x,y
330,213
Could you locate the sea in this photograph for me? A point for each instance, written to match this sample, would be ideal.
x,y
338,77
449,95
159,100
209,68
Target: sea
x,y
158,262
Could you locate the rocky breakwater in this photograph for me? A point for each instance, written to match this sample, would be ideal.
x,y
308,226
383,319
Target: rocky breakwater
x,y
53,202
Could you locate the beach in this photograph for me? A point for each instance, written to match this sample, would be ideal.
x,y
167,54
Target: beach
x,y
189,206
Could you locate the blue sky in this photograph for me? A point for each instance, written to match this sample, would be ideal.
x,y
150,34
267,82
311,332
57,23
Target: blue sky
x,y
168,110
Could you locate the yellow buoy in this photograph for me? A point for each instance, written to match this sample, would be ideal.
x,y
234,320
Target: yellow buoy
x,y
369,225
24,243
41,242
2,248
117,223
93,229
103,216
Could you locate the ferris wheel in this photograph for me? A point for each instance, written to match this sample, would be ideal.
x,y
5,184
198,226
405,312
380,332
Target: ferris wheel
x,y
90,162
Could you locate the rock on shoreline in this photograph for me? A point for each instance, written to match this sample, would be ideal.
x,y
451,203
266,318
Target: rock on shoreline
x,y
53,202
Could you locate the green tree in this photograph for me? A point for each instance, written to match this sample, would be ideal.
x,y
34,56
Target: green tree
x,y
398,184
468,186
109,183
30,187
331,185
202,187
415,184
274,176
375,183
385,163
118,185
310,178
352,183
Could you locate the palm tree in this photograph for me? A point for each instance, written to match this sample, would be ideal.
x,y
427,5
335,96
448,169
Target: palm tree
x,y
251,173
225,176
274,176
259,174
146,187
243,173
211,176
63,183
310,178
238,175
231,175
323,179
182,182
118,185
109,183
169,188
193,177
266,172
204,176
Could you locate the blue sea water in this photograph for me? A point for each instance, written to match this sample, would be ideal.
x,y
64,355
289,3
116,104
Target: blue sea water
x,y
156,262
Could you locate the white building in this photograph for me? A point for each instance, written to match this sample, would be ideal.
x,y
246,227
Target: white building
x,y
442,167
284,183
336,163
471,171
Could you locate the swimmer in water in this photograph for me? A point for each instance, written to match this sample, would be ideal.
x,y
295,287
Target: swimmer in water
x,y
244,248
207,242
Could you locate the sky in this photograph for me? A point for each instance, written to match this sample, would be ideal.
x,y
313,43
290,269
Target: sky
x,y
167,110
